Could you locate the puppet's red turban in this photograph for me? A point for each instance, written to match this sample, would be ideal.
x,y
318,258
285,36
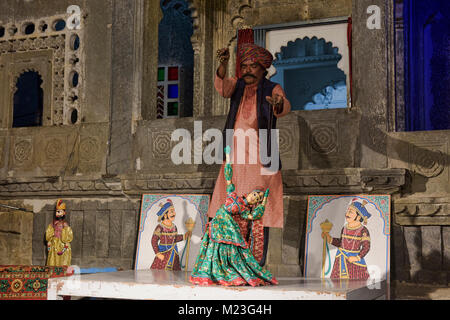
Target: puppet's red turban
x,y
250,51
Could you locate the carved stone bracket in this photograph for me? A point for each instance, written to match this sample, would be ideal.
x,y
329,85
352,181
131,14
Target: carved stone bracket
x,y
129,185
341,181
336,181
413,211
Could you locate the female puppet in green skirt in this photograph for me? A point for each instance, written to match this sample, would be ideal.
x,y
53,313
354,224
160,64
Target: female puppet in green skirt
x,y
225,258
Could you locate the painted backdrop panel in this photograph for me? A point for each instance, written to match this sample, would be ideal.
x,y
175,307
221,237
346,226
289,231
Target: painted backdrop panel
x,y
186,207
320,258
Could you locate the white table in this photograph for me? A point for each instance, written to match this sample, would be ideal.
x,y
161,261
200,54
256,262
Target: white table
x,y
175,285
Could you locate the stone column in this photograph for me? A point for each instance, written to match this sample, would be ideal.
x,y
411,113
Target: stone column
x,y
152,15
370,76
120,157
202,43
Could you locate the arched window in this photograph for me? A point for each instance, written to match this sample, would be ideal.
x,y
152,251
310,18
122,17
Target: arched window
x,y
28,100
307,70
175,60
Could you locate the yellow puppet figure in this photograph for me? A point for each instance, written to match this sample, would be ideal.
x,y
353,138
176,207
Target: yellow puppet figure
x,y
59,236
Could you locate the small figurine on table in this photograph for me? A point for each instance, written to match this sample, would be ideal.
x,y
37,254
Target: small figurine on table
x,y
59,236
225,258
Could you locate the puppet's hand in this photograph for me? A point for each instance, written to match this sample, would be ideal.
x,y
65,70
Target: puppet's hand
x,y
277,102
266,195
223,55
228,170
160,256
228,173
258,212
327,236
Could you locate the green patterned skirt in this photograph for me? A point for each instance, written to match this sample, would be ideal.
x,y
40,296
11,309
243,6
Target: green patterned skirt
x,y
225,261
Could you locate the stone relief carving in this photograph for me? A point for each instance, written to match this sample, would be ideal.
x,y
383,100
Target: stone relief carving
x,y
22,151
162,145
238,9
286,141
430,164
422,211
54,150
89,149
324,139
294,180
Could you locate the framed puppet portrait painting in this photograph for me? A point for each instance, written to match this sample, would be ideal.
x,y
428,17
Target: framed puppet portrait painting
x,y
348,237
170,230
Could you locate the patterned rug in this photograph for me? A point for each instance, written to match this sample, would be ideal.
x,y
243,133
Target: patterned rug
x,y
28,282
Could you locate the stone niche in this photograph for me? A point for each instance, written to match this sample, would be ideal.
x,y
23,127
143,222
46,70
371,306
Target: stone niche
x,y
16,230
53,50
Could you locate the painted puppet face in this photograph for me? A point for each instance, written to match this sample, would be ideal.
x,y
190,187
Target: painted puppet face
x,y
252,72
60,213
351,215
171,214
254,197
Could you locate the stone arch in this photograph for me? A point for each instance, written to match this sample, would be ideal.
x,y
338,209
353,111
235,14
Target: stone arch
x,y
342,49
238,9
18,74
28,113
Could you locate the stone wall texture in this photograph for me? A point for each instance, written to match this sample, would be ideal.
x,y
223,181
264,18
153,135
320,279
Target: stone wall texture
x,y
118,150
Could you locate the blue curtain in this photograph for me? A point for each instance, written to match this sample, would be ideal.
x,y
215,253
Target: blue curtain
x,y
427,64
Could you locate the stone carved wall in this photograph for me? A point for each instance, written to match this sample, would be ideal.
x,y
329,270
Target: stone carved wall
x,y
426,155
307,140
53,151
22,153
328,138
16,229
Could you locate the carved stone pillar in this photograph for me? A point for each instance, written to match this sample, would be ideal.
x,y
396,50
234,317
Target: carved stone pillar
x,y
152,15
123,87
370,74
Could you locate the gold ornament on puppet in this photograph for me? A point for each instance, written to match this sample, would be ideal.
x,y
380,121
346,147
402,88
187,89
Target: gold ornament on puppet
x,y
60,205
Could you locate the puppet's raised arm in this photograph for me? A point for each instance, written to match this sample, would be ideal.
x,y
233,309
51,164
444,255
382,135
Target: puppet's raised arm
x,y
228,171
